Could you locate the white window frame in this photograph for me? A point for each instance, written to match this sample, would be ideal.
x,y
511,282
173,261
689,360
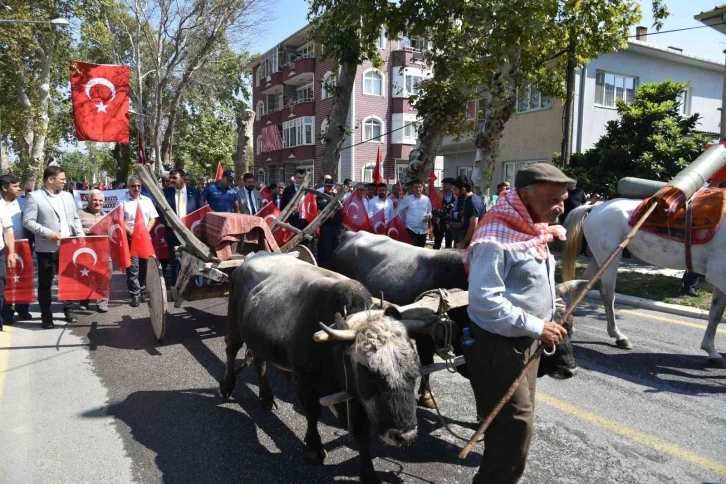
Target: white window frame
x,y
260,176
305,87
600,91
324,126
277,105
295,133
410,130
466,171
330,79
306,50
381,42
259,145
531,94
514,167
383,83
269,62
260,109
412,44
413,80
368,119
399,168
366,172
685,98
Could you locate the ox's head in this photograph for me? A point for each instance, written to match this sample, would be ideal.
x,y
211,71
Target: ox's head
x,y
382,368
562,364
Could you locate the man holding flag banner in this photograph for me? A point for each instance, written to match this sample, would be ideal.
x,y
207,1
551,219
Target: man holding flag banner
x,y
83,269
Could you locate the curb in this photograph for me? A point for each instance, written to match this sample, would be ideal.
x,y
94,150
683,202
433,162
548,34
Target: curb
x,y
639,302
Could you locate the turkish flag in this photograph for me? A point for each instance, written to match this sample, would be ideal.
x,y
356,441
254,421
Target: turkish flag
x,y
83,269
309,208
158,240
378,169
270,212
397,230
141,155
100,95
354,212
437,199
220,172
378,223
193,219
265,195
114,226
141,245
20,280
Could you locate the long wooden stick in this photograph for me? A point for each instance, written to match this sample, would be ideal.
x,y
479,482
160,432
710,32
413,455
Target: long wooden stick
x,y
570,309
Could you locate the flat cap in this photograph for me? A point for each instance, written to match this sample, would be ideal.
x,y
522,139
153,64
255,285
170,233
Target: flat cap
x,y
540,173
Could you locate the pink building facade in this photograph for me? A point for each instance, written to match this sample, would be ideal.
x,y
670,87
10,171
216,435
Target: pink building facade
x,y
292,107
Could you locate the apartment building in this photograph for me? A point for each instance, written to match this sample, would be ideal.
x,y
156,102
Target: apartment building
x,y
534,133
292,105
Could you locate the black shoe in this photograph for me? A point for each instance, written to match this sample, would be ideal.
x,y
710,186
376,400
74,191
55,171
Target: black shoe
x,y
134,301
47,324
71,318
7,322
26,316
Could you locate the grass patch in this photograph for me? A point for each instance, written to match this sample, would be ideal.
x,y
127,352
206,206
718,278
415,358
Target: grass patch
x,y
651,286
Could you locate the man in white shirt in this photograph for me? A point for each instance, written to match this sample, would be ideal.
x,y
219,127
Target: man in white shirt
x,y
415,211
7,238
50,214
10,190
136,273
381,202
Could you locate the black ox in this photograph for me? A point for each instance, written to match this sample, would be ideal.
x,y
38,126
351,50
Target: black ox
x,y
402,272
277,304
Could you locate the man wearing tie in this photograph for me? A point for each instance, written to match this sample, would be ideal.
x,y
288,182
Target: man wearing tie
x,y
277,195
183,200
288,195
250,201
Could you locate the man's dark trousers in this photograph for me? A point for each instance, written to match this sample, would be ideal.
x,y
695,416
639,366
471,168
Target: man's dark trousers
x,y
419,240
136,276
47,269
443,234
494,362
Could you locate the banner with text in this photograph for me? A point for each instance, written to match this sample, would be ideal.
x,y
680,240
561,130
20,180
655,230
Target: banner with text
x,y
111,199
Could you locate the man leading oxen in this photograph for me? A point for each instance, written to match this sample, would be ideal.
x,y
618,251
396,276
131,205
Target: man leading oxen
x,y
277,304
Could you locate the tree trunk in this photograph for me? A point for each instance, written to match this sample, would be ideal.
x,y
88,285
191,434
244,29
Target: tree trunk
x,y
337,129
566,149
122,154
422,159
241,155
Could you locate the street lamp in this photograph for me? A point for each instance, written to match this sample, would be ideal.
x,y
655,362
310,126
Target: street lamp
x,y
55,21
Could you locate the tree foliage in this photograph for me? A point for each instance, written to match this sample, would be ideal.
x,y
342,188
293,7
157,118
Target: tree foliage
x,y
650,139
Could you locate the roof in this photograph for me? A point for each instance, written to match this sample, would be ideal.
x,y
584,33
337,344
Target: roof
x,y
674,55
715,18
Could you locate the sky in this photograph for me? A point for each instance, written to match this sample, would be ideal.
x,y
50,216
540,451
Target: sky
x,y
291,15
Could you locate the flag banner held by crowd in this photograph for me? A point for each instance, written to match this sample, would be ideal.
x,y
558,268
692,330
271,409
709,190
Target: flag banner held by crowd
x,y
378,169
193,219
378,223
141,154
158,240
265,195
270,212
111,199
309,208
141,245
20,280
114,227
396,230
83,269
220,172
354,212
437,199
100,96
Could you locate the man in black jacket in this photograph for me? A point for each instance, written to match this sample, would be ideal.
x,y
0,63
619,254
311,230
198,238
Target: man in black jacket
x,y
288,195
330,230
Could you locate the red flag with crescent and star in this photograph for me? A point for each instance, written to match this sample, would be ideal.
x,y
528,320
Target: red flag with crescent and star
x,y
193,219
378,223
437,199
114,226
20,280
396,230
158,240
83,268
354,212
270,212
100,95
141,245
309,208
141,155
265,195
378,169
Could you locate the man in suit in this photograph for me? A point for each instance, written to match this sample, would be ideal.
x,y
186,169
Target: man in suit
x,y
250,201
50,214
277,195
288,195
183,200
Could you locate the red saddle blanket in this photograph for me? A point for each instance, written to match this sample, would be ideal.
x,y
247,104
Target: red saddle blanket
x,y
220,230
708,210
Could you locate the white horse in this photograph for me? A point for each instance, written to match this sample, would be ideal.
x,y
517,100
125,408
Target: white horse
x,y
604,229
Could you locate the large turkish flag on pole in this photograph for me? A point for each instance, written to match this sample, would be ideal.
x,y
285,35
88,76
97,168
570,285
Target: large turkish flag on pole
x,y
270,212
309,208
378,169
141,245
158,240
354,212
437,199
20,280
83,269
220,172
100,95
114,226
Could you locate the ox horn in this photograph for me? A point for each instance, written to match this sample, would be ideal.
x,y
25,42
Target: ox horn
x,y
570,289
336,334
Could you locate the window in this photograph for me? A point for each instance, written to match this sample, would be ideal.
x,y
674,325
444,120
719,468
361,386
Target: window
x,y
259,145
611,87
471,110
304,93
367,173
274,102
307,50
381,42
530,99
512,167
415,44
411,84
373,130
401,172
324,129
261,175
373,83
465,171
328,86
269,63
685,103
410,131
258,75
260,109
298,132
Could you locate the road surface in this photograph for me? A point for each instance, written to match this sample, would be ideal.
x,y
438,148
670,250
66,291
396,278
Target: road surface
x,y
100,401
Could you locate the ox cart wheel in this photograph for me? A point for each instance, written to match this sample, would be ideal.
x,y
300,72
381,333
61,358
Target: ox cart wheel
x,y
304,254
156,289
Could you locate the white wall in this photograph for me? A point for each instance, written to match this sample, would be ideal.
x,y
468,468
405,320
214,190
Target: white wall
x,y
398,121
398,79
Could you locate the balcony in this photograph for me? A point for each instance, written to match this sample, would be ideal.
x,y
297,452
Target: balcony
x,y
401,105
272,84
300,71
287,155
401,151
302,106
407,57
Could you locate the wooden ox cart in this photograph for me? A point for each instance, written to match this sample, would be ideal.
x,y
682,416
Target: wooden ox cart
x,y
199,260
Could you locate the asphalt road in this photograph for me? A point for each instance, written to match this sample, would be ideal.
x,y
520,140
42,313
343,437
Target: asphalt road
x,y
102,402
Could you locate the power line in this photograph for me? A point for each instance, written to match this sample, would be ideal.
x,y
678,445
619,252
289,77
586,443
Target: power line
x,y
379,136
678,30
